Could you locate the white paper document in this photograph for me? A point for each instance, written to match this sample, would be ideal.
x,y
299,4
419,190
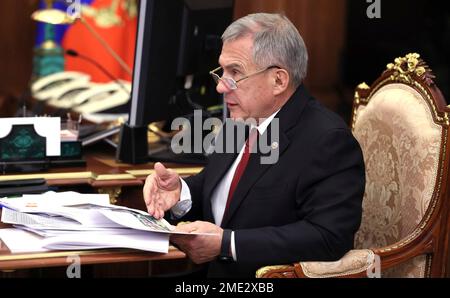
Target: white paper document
x,y
13,217
144,222
73,221
94,240
22,241
51,199
19,241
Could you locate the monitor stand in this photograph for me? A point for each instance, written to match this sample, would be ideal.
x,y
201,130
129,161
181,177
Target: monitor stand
x,y
132,146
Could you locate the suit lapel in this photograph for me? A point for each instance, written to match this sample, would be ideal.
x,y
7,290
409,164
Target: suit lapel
x,y
288,117
255,169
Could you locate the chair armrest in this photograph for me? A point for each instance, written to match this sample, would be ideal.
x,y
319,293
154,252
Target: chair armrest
x,y
355,263
280,271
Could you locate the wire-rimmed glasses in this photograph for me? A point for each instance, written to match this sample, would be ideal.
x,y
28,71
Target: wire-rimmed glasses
x,y
231,83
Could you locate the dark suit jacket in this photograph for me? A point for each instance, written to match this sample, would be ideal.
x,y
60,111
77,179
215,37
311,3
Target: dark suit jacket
x,y
306,207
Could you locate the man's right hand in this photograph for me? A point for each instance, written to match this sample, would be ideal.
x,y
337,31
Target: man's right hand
x,y
161,190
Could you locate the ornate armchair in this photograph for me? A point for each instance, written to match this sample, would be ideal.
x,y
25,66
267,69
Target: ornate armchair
x,y
402,125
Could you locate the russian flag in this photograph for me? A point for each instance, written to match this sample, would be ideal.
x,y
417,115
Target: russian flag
x,y
114,20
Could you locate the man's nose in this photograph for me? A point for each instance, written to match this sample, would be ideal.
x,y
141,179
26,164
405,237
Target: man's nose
x,y
221,87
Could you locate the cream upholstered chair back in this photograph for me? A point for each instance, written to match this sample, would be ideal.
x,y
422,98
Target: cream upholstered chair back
x,y
402,137
402,124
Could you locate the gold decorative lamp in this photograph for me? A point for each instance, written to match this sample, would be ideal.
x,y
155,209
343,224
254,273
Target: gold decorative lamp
x,y
57,17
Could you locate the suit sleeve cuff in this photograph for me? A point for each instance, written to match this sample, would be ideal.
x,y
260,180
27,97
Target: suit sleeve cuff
x,y
225,255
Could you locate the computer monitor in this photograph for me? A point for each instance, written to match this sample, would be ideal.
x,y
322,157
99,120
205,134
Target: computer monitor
x,y
172,40
202,26
154,74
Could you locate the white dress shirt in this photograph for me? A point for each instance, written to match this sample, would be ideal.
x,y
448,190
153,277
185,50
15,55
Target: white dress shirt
x,y
220,193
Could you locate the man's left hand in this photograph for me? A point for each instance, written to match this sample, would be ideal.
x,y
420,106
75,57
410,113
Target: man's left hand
x,y
200,249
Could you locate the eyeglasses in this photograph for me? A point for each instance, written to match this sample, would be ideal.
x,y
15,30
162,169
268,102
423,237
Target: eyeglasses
x,y
231,83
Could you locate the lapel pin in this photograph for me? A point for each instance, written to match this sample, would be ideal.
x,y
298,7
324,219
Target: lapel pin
x,y
274,146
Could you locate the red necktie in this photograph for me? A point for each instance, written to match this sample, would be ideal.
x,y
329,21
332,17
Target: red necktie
x,y
242,165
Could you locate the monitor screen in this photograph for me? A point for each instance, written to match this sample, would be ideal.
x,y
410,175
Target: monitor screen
x,y
155,63
202,26
175,39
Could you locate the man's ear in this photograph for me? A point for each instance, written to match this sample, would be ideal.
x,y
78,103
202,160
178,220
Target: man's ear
x,y
281,81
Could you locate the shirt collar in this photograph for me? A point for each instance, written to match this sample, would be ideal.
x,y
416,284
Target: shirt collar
x,y
262,127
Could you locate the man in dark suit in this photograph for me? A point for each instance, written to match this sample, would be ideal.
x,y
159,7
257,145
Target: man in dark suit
x,y
303,206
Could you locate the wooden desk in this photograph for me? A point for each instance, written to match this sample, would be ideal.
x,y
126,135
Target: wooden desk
x,y
174,261
123,183
104,175
15,261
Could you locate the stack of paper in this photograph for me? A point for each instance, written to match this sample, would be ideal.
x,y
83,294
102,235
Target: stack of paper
x,y
73,221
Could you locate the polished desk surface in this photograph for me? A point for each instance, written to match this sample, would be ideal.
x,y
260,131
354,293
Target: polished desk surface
x,y
101,170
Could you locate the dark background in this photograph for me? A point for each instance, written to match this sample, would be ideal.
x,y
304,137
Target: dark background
x,y
405,26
